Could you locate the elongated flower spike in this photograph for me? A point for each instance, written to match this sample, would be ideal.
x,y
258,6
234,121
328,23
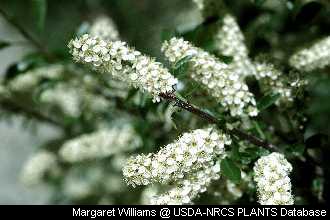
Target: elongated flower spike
x,y
271,80
124,63
230,42
315,57
188,164
190,153
104,28
30,79
100,144
37,166
222,81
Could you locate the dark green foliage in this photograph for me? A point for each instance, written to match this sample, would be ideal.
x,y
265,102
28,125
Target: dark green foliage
x,y
4,44
230,170
40,11
267,101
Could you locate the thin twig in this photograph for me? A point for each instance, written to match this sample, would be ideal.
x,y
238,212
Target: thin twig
x,y
210,118
42,48
11,106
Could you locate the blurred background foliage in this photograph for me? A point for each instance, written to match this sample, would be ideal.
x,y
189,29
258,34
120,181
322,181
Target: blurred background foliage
x,y
274,28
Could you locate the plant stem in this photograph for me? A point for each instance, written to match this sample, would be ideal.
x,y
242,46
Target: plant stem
x,y
11,106
211,119
42,48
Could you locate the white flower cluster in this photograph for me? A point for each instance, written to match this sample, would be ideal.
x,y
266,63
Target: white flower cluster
x,y
72,100
272,80
27,81
100,144
271,173
123,63
222,81
65,97
104,28
230,42
68,95
189,188
191,152
315,57
37,167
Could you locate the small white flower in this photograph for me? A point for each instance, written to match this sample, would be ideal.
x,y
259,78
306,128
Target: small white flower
x,y
188,189
271,80
273,184
230,42
138,70
315,57
188,154
104,28
221,80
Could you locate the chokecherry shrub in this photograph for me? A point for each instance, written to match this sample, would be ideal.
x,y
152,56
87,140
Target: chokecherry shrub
x,y
211,102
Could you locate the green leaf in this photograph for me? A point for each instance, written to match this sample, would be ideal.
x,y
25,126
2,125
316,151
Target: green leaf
x,y
39,8
190,88
267,101
251,154
225,59
183,61
296,149
230,170
259,2
259,130
203,35
167,34
4,44
180,96
235,154
181,67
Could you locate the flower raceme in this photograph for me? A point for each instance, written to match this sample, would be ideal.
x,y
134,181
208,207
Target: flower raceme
x,y
230,42
191,152
188,164
315,57
104,28
271,173
222,82
272,80
73,100
37,167
124,63
100,144
27,81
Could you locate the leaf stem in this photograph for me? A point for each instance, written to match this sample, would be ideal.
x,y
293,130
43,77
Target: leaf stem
x,y
12,106
212,119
